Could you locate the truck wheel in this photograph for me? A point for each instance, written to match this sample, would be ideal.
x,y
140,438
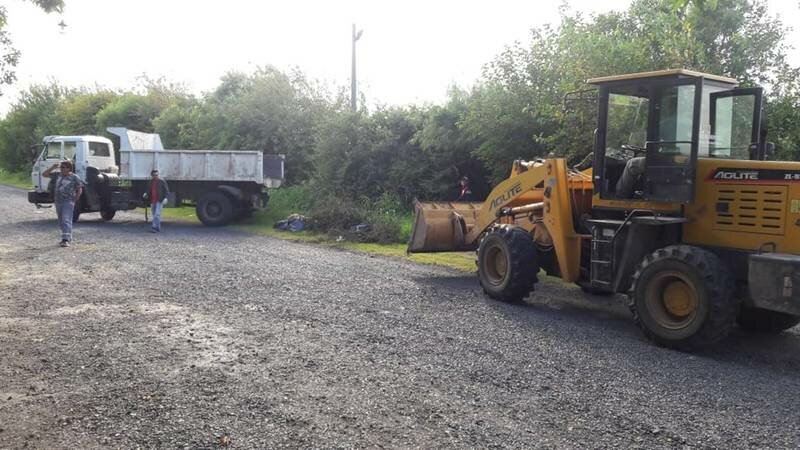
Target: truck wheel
x,y
682,297
764,321
214,209
76,211
107,214
507,263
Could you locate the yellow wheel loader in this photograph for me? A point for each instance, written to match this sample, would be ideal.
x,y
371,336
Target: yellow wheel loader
x,y
680,210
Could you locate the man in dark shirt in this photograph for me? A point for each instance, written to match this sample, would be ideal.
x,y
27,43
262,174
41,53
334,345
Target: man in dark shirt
x,y
68,189
157,194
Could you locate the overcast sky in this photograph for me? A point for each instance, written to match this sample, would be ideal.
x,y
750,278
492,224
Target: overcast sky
x,y
411,50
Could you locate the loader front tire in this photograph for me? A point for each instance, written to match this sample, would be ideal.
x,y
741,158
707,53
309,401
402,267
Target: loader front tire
x,y
682,297
507,263
764,321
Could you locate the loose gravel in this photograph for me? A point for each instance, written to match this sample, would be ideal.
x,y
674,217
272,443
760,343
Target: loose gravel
x,y
211,338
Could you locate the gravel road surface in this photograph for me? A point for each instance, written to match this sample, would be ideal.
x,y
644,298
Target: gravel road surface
x,y
211,338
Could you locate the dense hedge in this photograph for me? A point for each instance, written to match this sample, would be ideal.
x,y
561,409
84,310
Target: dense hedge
x,y
395,154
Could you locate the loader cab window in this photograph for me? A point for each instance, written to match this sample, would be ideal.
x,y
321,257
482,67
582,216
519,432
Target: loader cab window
x,y
626,135
675,116
627,121
649,144
735,124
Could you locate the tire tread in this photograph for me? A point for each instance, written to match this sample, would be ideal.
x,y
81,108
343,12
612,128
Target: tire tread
x,y
719,285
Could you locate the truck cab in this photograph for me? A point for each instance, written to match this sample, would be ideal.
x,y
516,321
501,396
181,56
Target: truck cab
x,y
87,153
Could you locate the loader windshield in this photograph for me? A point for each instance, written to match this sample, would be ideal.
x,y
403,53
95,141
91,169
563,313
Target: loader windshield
x,y
627,121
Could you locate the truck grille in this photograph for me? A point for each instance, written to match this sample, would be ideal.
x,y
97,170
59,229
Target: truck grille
x,y
751,209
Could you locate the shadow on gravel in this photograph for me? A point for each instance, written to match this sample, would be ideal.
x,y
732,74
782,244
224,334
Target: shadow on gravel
x,y
455,283
566,307
122,225
776,352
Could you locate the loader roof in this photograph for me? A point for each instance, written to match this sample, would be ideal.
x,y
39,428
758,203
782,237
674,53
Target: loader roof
x,y
676,73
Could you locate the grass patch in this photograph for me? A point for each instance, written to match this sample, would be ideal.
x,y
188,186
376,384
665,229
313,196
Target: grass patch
x,y
285,201
183,213
16,179
461,261
457,260
298,199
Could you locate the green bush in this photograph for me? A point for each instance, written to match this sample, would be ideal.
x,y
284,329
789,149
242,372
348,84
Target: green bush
x,y
290,200
381,220
336,215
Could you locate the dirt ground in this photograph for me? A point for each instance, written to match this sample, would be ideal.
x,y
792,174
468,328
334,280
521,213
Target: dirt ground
x,y
211,338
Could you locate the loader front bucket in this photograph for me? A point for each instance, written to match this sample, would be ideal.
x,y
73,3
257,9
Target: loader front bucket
x,y
442,226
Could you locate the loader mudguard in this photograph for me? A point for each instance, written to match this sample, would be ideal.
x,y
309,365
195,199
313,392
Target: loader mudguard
x,y
549,182
505,194
558,219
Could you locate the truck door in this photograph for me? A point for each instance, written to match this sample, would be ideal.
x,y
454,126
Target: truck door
x,y
736,124
50,155
672,141
70,152
36,171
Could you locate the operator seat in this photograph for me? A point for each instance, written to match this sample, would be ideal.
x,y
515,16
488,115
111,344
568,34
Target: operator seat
x,y
626,185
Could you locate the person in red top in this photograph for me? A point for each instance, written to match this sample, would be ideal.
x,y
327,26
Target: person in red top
x,y
464,191
159,192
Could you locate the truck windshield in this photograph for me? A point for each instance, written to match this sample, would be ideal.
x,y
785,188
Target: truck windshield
x,y
53,150
69,150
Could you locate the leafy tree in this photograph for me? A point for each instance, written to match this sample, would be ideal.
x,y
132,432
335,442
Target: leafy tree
x,y
34,116
138,111
77,112
447,151
516,111
10,55
342,157
269,110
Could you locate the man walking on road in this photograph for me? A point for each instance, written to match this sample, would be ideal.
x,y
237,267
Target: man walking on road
x,y
68,189
159,191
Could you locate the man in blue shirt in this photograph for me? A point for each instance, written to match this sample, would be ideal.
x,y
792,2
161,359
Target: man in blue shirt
x,y
68,189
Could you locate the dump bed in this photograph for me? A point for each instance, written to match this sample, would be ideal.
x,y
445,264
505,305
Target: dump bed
x,y
194,165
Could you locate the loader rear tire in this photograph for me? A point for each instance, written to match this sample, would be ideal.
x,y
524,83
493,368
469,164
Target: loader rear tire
x,y
682,297
507,263
764,321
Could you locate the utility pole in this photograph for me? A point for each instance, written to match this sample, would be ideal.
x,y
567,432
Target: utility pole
x,y
353,90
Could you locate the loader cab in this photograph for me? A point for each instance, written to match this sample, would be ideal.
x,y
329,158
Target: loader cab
x,y
653,126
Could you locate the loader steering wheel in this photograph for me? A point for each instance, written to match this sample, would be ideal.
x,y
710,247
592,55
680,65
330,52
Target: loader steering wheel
x,y
637,150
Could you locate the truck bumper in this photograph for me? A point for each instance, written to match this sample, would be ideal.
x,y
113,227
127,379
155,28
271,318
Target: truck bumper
x,y
39,197
774,282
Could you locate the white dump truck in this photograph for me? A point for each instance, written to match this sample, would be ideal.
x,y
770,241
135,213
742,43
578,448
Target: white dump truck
x,y
224,185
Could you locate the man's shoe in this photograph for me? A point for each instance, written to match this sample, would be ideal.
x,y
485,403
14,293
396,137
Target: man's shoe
x,y
153,230
64,244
